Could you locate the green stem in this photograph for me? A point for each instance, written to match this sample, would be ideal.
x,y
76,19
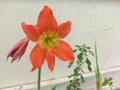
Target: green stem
x,y
39,78
97,72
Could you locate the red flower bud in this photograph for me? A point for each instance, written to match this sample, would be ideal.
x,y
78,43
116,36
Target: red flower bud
x,y
18,49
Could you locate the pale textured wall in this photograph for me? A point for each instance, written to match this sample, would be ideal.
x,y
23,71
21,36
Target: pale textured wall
x,y
91,20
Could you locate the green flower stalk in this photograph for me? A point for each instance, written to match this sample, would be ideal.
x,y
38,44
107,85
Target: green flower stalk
x,y
39,79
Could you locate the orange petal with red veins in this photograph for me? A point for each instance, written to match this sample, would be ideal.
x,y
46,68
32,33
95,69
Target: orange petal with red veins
x,y
64,52
31,31
64,29
46,19
50,60
37,57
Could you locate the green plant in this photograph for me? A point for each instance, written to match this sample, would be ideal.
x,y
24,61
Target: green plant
x,y
99,83
83,53
108,81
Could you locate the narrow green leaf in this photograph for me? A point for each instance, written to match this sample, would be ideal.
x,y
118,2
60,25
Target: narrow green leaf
x,y
97,72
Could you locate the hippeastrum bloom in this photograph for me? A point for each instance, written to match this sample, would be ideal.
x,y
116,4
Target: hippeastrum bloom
x,y
18,50
48,34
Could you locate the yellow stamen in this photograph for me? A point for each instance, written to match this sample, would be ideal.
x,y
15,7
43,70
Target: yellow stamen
x,y
51,49
48,40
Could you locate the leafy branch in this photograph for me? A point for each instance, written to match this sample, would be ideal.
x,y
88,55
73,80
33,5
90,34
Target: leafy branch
x,y
83,53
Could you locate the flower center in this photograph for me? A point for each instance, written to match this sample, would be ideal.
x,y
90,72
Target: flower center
x,y
48,40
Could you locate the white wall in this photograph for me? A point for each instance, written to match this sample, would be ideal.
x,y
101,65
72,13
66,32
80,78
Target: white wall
x,y
91,20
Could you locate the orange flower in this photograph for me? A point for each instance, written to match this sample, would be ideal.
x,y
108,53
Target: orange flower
x,y
48,34
18,50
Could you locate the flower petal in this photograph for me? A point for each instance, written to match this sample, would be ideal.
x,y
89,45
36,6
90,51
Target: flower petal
x,y
50,60
64,29
31,31
37,57
64,52
46,19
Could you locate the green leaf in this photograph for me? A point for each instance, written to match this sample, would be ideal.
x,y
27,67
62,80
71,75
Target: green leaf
x,y
81,49
54,88
84,50
80,57
82,78
84,45
110,83
91,53
74,50
110,79
104,83
107,81
69,88
76,71
88,47
78,46
71,76
88,61
89,68
70,64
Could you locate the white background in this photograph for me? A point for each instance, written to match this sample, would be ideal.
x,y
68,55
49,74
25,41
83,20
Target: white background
x,y
91,20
